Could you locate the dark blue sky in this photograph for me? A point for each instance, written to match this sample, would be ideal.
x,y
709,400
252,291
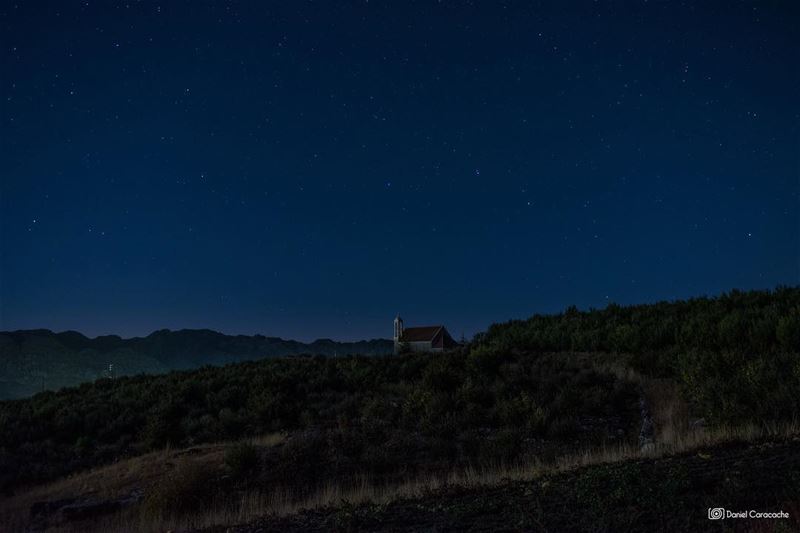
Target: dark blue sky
x,y
310,169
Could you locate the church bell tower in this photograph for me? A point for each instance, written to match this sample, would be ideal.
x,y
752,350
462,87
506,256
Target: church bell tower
x,y
398,328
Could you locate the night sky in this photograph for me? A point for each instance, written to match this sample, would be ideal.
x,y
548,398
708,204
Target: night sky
x,y
310,169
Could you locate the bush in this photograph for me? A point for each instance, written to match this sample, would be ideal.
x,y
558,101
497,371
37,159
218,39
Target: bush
x,y
190,488
736,387
788,331
242,460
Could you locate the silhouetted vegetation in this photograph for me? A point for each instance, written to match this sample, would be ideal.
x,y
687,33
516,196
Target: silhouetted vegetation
x,y
378,412
737,356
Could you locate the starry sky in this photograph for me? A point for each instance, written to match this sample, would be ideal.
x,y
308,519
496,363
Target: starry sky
x,y
309,169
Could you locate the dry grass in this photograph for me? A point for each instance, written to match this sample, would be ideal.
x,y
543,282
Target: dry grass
x,y
668,408
118,480
143,471
280,501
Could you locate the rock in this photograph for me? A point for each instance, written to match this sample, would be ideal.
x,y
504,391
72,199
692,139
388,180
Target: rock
x,y
48,513
88,509
698,424
46,508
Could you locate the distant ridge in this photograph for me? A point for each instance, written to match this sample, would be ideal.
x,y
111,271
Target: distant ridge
x,y
39,359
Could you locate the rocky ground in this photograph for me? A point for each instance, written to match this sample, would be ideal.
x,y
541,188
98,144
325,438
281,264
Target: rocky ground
x,y
663,494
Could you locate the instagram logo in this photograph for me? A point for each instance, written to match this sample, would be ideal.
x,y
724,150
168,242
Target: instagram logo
x,y
716,513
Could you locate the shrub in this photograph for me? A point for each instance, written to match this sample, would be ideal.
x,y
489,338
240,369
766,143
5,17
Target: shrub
x,y
191,487
788,331
242,460
732,386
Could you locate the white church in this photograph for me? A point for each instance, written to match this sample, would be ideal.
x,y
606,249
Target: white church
x,y
421,338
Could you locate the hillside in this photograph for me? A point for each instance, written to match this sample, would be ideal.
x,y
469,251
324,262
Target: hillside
x,y
346,414
514,430
299,426
36,360
218,488
670,493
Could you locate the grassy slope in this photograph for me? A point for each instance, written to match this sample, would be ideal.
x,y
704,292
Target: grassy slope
x,y
137,475
666,494
666,488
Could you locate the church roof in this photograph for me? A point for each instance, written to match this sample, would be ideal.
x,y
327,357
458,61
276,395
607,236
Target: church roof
x,y
420,334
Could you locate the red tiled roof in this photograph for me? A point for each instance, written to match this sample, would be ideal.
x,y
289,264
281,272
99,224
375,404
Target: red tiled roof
x,y
425,333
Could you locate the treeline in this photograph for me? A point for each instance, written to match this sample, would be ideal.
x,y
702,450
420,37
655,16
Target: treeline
x,y
737,355
756,321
